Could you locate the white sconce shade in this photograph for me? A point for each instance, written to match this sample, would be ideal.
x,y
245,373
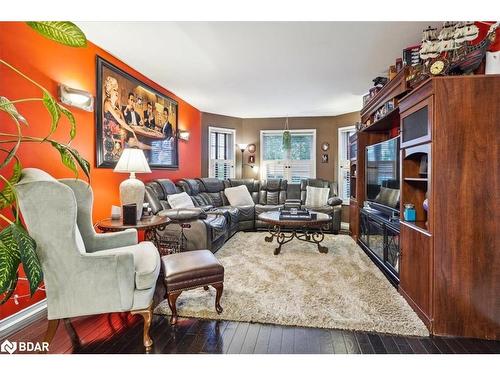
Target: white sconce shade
x,y
132,160
76,98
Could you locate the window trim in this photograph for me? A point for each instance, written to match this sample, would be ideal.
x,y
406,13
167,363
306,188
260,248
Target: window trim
x,y
340,149
313,150
219,129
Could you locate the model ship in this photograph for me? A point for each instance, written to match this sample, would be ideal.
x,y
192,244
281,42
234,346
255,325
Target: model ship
x,y
451,52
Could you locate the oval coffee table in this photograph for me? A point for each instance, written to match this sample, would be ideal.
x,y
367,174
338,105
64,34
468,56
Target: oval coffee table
x,y
285,230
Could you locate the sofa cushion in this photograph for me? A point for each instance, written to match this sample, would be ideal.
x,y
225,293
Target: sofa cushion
x,y
181,200
146,262
238,196
261,208
246,213
326,209
316,197
334,201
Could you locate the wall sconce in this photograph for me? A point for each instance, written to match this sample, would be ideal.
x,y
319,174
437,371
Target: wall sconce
x,y
76,98
183,134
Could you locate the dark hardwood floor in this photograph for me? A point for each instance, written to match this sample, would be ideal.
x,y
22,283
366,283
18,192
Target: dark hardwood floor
x,y
122,333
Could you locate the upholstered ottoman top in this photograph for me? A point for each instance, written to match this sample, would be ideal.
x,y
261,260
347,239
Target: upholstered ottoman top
x,y
191,269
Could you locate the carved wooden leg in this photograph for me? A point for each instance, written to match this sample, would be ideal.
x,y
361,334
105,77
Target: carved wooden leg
x,y
147,315
51,332
219,288
172,300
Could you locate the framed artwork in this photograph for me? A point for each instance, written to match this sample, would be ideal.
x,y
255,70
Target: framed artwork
x,y
324,158
251,159
129,113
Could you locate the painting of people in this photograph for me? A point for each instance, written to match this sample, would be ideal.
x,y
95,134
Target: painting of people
x,y
130,113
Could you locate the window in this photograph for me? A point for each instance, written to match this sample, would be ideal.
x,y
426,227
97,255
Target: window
x,y
344,180
222,153
293,165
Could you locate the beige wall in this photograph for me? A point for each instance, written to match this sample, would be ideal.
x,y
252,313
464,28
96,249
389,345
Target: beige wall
x,y
220,121
248,131
326,131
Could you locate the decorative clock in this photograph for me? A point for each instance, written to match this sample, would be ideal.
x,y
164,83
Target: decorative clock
x,y
325,146
439,67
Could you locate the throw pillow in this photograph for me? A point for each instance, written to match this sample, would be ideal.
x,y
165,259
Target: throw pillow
x,y
181,200
316,197
239,196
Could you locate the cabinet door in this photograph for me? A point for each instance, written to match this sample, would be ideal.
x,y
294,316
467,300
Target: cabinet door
x,y
416,124
414,273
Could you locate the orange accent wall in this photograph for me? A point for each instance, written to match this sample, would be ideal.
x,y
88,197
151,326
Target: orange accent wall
x,y
49,63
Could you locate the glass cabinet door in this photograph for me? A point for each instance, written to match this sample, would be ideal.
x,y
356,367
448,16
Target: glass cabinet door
x,y
363,229
376,233
392,247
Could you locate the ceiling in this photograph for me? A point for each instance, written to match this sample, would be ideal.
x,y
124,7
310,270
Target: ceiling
x,y
260,69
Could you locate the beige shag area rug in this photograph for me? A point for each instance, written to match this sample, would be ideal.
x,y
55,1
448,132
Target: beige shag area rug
x,y
301,287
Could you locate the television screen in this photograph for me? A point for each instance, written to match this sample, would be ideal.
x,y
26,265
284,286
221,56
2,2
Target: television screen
x,y
382,173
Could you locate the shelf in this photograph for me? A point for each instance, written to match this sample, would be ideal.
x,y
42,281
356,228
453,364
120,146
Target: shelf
x,y
416,179
385,123
417,225
394,88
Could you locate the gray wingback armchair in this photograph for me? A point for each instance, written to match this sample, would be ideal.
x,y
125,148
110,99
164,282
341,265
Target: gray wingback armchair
x,y
84,272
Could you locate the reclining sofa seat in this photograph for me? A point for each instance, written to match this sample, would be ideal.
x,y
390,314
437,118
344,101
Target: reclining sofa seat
x,y
272,196
333,206
209,196
208,232
246,213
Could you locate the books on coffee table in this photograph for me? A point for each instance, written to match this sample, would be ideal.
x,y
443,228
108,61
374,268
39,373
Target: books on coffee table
x,y
294,214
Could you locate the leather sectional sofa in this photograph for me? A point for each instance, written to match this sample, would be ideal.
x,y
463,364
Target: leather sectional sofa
x,y
218,220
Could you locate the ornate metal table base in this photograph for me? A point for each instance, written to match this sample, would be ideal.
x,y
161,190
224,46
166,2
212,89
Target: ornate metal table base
x,y
167,244
312,235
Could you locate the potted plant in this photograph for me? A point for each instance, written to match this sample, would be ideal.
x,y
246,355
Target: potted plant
x,y
16,246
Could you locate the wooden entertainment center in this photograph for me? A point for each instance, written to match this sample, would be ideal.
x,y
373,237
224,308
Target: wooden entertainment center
x,y
449,258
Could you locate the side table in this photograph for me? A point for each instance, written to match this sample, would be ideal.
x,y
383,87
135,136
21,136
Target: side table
x,y
149,225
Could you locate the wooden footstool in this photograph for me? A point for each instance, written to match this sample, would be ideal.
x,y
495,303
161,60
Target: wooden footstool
x,y
190,270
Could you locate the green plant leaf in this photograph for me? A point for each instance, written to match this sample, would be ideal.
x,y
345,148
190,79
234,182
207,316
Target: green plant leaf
x,y
10,153
7,106
71,119
9,257
50,103
84,164
63,32
7,195
29,259
10,290
66,157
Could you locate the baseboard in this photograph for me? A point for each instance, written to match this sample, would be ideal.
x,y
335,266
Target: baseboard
x,y
22,318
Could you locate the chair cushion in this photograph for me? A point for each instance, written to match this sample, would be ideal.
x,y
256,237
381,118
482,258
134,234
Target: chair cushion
x,y
146,262
181,200
316,197
191,269
238,196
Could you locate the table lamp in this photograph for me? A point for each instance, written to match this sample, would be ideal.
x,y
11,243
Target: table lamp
x,y
132,160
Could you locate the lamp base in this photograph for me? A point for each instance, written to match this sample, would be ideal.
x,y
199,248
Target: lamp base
x,y
132,191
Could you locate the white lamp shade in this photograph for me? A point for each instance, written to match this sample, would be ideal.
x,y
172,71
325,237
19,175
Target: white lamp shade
x,y
242,146
132,160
